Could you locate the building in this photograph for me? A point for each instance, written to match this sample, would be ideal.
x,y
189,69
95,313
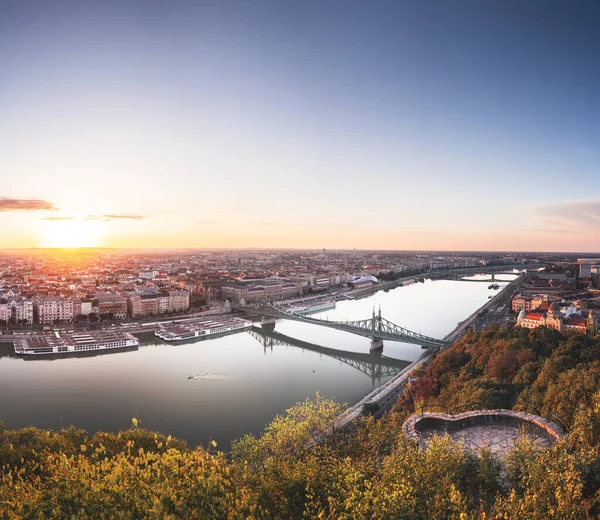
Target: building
x,y
553,319
320,282
530,320
252,291
112,305
179,300
134,306
363,281
163,303
530,303
86,307
16,310
51,309
520,302
588,266
149,305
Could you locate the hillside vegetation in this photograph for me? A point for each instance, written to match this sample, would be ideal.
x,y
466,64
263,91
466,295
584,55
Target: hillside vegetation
x,y
370,472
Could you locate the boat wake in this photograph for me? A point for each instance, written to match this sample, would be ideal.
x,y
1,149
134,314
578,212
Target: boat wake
x,y
209,377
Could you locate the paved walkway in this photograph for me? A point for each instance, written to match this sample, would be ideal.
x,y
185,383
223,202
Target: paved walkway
x,y
500,439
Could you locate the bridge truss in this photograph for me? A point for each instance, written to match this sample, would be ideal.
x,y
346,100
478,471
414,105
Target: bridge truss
x,y
376,327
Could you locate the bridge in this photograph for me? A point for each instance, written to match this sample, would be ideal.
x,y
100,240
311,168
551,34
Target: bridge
x,y
377,328
469,271
373,364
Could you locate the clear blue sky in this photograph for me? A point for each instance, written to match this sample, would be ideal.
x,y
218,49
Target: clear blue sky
x,y
331,123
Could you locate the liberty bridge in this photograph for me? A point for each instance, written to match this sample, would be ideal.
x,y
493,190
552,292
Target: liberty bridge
x,y
376,327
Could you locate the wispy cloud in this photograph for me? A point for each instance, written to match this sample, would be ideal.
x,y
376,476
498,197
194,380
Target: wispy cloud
x,y
108,218
9,204
206,222
266,224
57,218
571,216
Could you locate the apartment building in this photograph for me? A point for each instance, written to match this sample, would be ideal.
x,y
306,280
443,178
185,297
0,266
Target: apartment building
x,y
49,309
163,303
179,300
149,305
112,304
134,306
16,309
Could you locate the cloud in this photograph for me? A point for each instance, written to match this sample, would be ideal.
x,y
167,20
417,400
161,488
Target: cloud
x,y
8,204
266,224
57,218
206,222
108,218
571,216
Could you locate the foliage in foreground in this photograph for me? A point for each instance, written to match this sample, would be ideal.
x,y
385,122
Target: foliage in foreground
x,y
371,472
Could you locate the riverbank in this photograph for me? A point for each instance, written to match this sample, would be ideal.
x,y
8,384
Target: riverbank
x,y
383,397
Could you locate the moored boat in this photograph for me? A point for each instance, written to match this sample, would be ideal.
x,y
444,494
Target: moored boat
x,y
72,343
183,331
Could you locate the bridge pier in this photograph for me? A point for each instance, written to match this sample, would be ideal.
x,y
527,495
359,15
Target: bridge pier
x,y
268,323
376,344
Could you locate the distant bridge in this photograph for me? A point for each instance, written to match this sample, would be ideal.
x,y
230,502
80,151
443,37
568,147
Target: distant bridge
x,y
373,364
377,328
495,269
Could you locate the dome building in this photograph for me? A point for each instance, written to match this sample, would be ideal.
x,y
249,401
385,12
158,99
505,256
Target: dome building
x,y
553,319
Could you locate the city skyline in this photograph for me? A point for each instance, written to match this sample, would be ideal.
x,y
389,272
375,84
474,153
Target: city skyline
x,y
385,125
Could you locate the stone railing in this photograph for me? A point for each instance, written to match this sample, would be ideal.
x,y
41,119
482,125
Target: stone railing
x,y
417,424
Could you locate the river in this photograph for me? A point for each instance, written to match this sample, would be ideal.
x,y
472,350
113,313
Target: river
x,y
240,382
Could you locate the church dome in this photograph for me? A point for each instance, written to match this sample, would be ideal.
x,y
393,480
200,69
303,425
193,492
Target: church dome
x,y
521,315
554,307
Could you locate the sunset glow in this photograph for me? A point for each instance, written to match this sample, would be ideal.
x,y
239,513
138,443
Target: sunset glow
x,y
71,233
193,127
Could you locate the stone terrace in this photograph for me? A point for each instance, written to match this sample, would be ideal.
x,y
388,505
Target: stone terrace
x,y
497,430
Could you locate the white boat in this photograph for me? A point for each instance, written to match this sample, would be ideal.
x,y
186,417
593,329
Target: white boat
x,y
75,342
183,331
310,308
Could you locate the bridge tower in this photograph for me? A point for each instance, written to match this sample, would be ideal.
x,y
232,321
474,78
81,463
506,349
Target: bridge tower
x,y
376,343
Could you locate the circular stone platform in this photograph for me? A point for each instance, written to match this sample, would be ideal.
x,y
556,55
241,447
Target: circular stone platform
x,y
497,430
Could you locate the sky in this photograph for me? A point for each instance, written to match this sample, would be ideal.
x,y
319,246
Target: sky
x,y
402,124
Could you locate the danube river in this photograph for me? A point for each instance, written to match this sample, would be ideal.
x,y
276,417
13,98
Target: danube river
x,y
239,382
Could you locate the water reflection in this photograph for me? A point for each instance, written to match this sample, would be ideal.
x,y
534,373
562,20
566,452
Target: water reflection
x,y
374,364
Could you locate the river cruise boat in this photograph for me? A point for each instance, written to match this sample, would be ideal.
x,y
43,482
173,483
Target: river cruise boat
x,y
75,342
309,308
183,331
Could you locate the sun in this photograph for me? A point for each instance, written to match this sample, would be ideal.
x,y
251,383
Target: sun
x,y
69,234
